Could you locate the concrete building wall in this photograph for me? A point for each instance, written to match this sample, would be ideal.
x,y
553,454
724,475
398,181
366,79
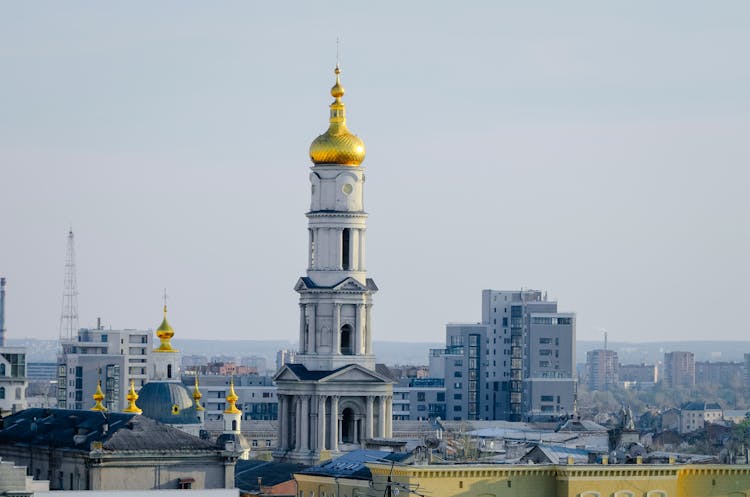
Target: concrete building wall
x,y
549,396
75,470
13,379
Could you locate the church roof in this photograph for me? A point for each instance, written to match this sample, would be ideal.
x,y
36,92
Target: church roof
x,y
352,464
246,473
168,402
307,283
381,373
143,433
305,374
76,430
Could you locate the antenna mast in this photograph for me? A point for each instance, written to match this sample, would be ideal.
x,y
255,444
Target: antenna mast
x,y
2,312
69,314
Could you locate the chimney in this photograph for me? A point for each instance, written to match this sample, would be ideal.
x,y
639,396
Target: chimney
x,y
2,312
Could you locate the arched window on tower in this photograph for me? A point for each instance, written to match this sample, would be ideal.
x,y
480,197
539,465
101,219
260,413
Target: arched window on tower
x,y
345,252
234,425
2,369
2,392
346,340
169,371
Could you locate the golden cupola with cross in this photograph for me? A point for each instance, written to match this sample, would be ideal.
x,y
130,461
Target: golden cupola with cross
x,y
337,145
165,332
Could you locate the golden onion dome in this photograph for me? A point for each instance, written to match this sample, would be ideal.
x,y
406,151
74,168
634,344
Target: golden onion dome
x,y
232,399
337,145
132,397
165,332
197,395
98,398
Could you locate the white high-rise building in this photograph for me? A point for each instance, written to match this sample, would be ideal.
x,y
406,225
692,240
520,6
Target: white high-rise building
x,y
113,356
335,396
13,378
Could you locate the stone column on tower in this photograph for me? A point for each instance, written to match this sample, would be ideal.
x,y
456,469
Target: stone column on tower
x,y
359,329
337,329
305,417
381,416
302,328
321,444
282,422
334,423
369,415
368,328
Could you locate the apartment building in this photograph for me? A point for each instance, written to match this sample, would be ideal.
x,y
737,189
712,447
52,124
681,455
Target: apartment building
x,y
113,357
517,363
679,369
602,369
419,399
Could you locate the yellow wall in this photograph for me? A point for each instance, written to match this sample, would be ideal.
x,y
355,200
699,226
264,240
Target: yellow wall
x,y
324,486
564,481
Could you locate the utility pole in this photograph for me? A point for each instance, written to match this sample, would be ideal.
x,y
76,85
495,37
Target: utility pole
x,y
69,314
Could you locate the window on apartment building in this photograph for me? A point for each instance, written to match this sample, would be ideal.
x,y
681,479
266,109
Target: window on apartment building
x,y
505,321
545,351
547,398
456,408
420,396
543,364
545,340
441,397
458,385
421,407
457,374
457,396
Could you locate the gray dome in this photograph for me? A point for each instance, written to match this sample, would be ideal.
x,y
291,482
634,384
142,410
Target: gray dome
x,y
168,403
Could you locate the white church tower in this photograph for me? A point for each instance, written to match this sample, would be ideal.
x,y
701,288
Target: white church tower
x,y
335,397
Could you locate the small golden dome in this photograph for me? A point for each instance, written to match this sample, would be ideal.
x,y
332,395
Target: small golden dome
x,y
197,395
98,398
337,145
165,334
232,398
132,397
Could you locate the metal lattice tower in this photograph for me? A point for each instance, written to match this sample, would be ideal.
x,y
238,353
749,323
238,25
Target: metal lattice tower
x,y
69,314
2,312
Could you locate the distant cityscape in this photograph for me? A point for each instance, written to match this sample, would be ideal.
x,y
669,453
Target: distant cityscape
x,y
510,404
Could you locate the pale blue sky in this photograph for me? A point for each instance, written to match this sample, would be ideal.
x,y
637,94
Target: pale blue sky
x,y
597,150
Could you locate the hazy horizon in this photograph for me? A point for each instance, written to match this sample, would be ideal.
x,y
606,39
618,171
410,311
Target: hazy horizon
x,y
595,151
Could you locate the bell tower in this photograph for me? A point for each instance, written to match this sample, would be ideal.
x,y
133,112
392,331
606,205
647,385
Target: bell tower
x,y
336,295
334,397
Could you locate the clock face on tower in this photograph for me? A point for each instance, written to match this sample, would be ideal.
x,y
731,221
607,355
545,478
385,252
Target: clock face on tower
x,y
347,189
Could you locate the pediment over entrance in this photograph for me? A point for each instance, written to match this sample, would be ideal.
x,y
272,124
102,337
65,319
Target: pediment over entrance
x,y
354,373
346,374
350,285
